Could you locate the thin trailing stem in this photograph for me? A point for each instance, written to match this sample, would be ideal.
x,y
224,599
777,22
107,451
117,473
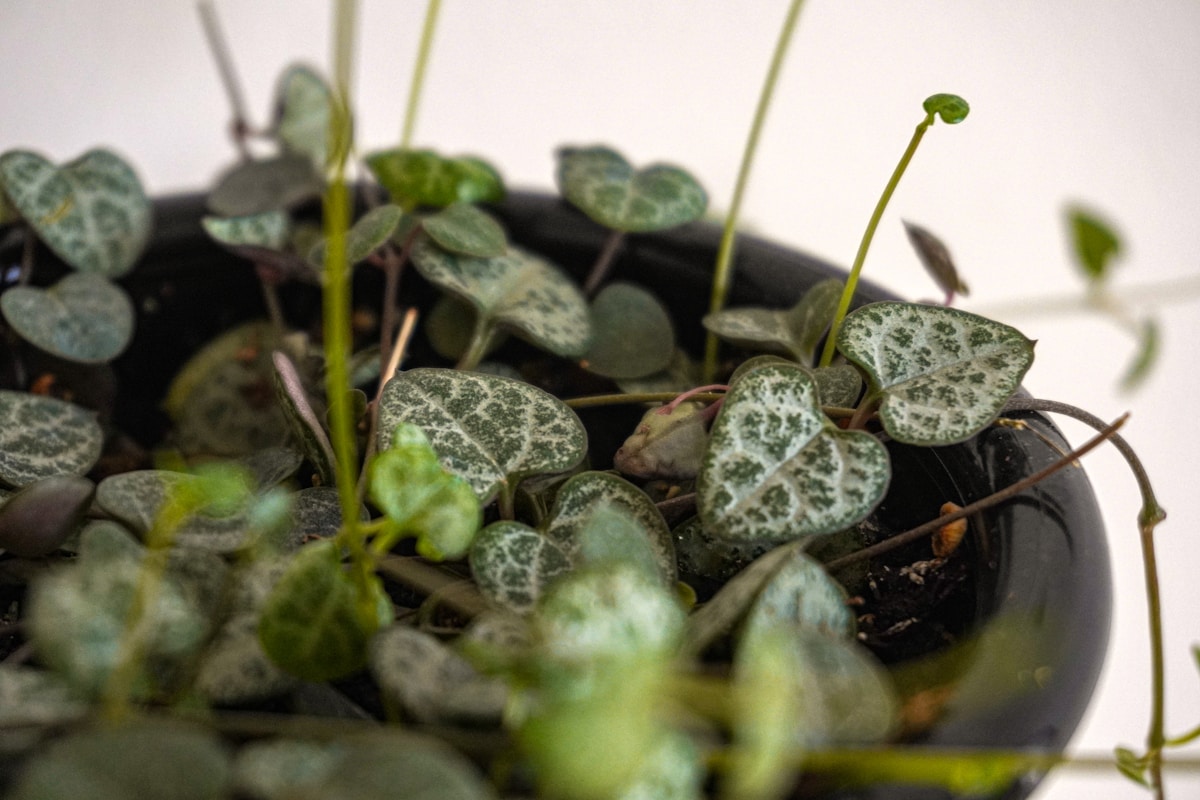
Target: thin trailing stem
x,y
1149,516
868,235
921,531
336,294
723,271
418,78
233,90
393,266
596,400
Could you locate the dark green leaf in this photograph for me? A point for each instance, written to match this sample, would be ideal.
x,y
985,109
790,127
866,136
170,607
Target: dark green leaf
x,y
368,234
271,184
1095,243
147,760
632,335
935,257
317,622
1147,355
417,178
950,107
513,564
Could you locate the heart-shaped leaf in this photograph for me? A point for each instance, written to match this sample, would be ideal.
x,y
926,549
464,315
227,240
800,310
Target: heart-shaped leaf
x,y
632,333
942,375
800,593
136,498
83,318
465,229
517,291
423,178
583,496
314,623
145,759
270,184
420,498
272,769
91,211
79,614
268,230
513,564
609,190
796,330
368,234
493,431
41,437
777,468
30,696
302,108
431,682
36,520
678,376
223,399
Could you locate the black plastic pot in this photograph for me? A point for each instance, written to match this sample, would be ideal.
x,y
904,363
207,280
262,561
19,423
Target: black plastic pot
x,y
1038,564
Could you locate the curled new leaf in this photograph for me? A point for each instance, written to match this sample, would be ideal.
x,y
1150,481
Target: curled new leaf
x,y
950,107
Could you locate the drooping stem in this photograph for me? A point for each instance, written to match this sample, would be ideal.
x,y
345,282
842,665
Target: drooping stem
x,y
914,534
869,234
220,49
603,264
723,271
336,294
418,78
595,400
1149,516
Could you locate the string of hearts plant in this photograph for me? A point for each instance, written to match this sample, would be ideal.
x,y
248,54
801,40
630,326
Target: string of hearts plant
x,y
513,604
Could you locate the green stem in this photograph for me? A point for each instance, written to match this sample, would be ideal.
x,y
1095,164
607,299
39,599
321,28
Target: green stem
x,y
336,295
868,235
723,271
1149,516
418,78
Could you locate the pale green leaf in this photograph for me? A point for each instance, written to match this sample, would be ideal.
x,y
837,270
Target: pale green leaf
x,y
490,430
83,318
795,331
800,593
31,696
609,190
421,498
91,211
275,769
41,437
270,184
302,111
368,234
777,468
942,374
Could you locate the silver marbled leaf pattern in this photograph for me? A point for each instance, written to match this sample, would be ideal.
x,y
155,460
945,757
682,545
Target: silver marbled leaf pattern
x,y
493,431
513,564
92,212
302,107
83,318
517,291
135,498
269,230
608,189
580,497
41,437
777,468
943,374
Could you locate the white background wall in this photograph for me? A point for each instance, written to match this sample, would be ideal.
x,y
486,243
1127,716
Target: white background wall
x,y
1096,101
